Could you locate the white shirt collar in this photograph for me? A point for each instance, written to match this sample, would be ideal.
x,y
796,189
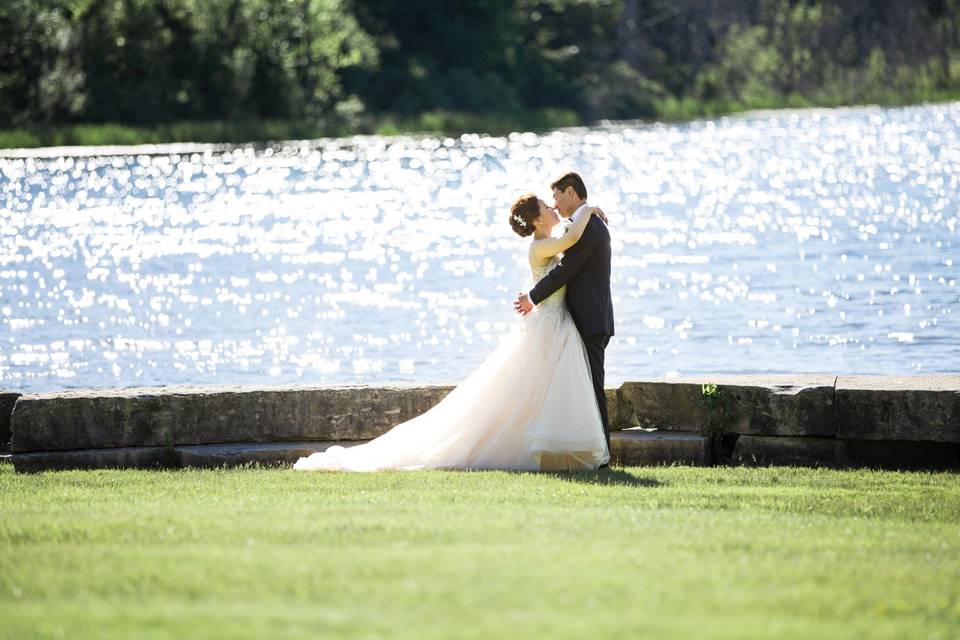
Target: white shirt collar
x,y
578,210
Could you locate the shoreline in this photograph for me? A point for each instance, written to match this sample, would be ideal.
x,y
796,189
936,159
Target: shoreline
x,y
202,137
255,132
899,422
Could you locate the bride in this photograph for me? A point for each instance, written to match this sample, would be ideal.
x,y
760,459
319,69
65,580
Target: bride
x,y
529,406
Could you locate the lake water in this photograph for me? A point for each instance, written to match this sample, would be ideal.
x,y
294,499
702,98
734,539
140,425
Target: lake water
x,y
783,242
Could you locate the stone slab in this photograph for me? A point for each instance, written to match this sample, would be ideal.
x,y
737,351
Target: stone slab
x,y
170,416
207,456
619,412
639,446
613,406
796,405
262,453
7,400
839,453
917,408
116,458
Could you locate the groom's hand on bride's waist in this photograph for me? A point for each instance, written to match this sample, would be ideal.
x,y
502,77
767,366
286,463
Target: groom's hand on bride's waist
x,y
522,304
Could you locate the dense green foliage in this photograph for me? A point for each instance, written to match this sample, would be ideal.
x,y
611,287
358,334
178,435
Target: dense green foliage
x,y
352,64
667,552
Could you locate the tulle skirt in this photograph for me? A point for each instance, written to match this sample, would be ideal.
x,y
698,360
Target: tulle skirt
x,y
529,406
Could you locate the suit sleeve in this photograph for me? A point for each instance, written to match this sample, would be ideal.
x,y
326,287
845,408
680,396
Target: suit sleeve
x,y
571,264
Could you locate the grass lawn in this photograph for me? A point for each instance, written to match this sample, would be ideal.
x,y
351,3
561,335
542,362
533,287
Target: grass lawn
x,y
633,553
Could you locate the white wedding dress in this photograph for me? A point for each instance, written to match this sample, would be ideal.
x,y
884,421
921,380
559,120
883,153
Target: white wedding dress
x,y
529,406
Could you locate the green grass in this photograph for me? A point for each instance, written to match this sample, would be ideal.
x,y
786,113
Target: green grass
x,y
637,553
253,130
238,131
675,110
455,123
447,123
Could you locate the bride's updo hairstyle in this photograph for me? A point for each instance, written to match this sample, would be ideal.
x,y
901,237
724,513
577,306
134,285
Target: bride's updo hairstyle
x,y
523,212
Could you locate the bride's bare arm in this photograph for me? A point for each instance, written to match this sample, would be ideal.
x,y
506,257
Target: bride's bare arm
x,y
549,247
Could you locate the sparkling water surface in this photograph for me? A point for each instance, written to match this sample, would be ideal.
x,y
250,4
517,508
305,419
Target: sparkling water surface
x,y
783,242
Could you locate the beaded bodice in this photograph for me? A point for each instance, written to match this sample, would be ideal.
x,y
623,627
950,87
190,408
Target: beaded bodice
x,y
553,304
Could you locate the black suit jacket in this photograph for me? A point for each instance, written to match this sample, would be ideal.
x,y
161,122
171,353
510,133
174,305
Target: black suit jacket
x,y
585,269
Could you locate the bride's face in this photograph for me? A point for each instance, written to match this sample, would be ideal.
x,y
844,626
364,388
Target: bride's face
x,y
548,217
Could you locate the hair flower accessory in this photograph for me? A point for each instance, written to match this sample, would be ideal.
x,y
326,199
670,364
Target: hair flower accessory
x,y
520,220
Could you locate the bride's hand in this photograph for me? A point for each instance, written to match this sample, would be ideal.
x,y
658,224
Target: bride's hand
x,y
597,211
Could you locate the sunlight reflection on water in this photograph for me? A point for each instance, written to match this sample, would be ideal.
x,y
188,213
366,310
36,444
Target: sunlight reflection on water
x,y
817,240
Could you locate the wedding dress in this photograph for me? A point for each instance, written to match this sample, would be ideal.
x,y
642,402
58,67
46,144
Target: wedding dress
x,y
529,406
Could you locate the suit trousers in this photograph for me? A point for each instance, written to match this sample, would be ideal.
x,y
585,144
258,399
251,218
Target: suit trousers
x,y
596,345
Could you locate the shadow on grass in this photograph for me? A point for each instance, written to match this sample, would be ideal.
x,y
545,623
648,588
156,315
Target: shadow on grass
x,y
603,476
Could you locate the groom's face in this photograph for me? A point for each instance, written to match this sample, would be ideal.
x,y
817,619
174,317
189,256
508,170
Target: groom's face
x,y
565,201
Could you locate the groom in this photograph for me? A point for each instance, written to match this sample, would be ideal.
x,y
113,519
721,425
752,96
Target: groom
x,y
585,269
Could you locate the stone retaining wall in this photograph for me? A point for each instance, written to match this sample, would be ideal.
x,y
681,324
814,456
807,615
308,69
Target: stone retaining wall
x,y
804,419
837,421
801,405
168,416
7,400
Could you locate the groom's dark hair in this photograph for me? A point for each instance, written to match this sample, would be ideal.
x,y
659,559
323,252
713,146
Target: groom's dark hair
x,y
570,179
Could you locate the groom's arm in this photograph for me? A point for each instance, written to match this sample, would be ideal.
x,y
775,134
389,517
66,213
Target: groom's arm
x,y
583,213
571,264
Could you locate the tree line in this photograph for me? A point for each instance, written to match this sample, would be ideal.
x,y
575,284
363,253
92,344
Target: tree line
x,y
144,62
